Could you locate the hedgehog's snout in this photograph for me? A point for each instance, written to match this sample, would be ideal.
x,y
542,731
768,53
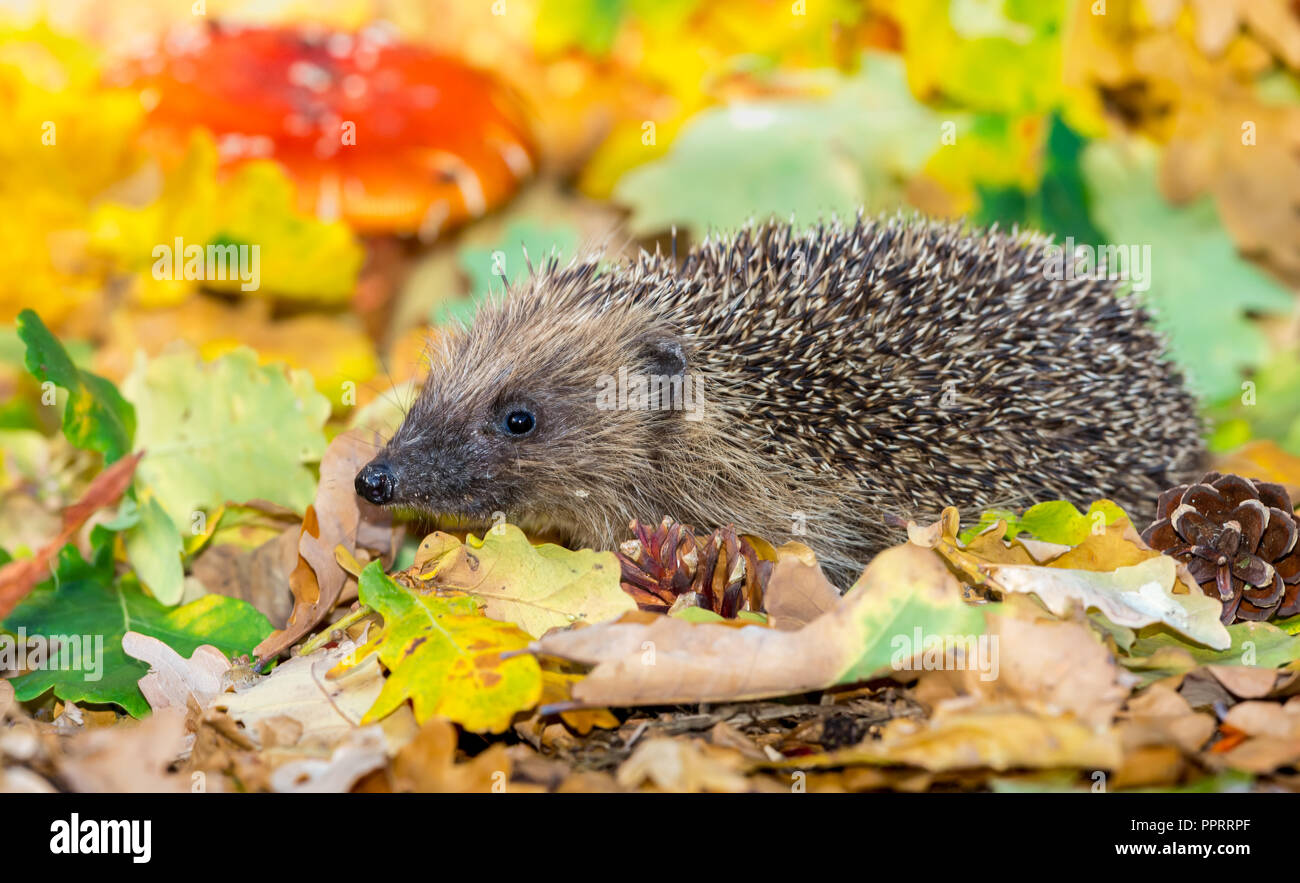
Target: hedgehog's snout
x,y
376,482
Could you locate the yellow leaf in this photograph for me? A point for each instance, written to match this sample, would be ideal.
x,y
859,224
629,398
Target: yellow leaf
x,y
1107,551
1266,461
536,587
990,738
296,256
66,139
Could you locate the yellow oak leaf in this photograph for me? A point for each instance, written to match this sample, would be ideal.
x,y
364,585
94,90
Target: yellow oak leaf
x,y
536,587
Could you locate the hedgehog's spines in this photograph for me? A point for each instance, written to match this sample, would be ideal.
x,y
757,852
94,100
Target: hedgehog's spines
x,y
852,369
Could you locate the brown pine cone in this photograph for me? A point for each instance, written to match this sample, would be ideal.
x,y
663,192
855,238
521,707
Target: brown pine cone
x,y
669,566
1237,537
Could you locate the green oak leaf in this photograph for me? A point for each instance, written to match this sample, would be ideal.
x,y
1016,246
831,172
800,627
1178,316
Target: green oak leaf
x,y
225,430
84,600
96,417
154,548
535,587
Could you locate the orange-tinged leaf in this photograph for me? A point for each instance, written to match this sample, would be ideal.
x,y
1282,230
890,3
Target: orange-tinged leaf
x,y
557,686
1266,461
1117,547
337,517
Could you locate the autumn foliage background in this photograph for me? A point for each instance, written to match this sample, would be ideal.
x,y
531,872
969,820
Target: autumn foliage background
x,y
1139,122
1157,123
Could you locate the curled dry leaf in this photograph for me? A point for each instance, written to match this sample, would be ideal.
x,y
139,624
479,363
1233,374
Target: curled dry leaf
x,y
362,752
129,757
1265,719
336,517
1160,716
683,766
1039,664
1130,596
259,576
1146,592
1262,738
427,764
797,592
1245,681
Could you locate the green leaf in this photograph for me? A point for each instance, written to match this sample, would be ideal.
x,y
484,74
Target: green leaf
x,y
1054,521
1201,289
1268,411
96,417
154,549
1059,206
226,430
589,25
446,657
1158,653
84,602
857,148
898,609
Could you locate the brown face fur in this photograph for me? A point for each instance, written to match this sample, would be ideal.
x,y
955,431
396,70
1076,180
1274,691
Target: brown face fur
x,y
456,454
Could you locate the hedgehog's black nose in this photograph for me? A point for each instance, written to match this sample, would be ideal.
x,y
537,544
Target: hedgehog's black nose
x,y
376,482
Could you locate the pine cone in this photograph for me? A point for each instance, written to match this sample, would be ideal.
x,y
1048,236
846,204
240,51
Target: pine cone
x,y
669,566
1238,540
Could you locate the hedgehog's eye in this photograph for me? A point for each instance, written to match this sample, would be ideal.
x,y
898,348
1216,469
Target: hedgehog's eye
x,y
519,422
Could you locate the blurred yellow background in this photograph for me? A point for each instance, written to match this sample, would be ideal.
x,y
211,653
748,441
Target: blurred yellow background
x,y
553,123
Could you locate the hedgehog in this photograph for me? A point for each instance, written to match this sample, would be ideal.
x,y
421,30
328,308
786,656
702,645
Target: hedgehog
x,y
820,385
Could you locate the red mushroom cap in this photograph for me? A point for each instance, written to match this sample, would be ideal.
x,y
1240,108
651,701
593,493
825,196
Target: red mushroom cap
x,y
389,136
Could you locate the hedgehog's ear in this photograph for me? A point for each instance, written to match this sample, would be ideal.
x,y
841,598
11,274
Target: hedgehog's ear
x,y
663,354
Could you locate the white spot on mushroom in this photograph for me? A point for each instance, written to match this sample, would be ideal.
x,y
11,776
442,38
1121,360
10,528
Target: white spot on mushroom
x,y
521,166
310,76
